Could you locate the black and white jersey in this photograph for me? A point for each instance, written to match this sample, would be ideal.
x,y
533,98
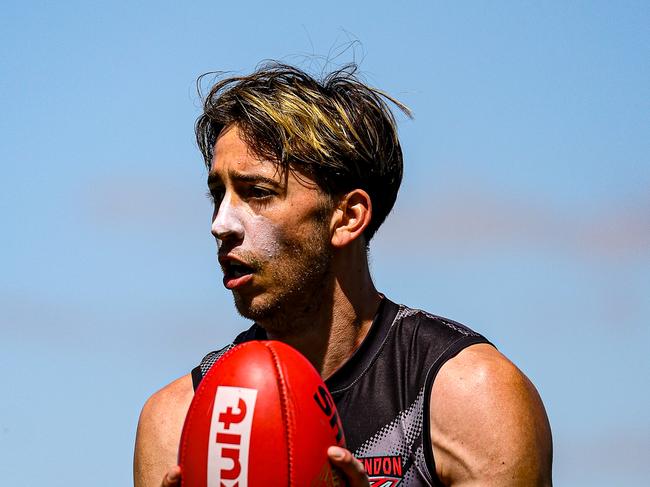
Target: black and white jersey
x,y
383,391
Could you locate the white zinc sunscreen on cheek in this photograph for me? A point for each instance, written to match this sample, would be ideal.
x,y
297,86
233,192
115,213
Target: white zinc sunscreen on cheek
x,y
262,236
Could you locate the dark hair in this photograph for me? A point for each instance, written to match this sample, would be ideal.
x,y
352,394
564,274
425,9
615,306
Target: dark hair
x,y
338,130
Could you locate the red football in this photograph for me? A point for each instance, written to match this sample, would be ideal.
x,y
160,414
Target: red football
x,y
261,416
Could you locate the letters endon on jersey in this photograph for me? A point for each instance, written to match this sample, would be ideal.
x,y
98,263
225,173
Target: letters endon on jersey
x,y
384,471
230,433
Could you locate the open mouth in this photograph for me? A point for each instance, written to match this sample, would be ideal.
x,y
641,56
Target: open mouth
x,y
235,273
236,269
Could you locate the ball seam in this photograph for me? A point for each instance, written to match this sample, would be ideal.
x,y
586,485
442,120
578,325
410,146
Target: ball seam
x,y
286,411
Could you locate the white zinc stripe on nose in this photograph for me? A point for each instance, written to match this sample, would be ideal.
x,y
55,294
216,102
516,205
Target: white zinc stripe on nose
x,y
228,221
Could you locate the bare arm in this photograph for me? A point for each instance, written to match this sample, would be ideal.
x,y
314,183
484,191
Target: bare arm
x,y
488,423
159,432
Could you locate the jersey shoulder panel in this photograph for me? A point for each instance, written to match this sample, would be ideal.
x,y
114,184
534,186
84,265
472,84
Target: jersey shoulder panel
x,y
410,347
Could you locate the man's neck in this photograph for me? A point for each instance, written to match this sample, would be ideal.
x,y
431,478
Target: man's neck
x,y
336,324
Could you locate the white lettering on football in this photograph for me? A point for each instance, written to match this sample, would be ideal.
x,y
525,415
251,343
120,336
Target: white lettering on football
x,y
230,434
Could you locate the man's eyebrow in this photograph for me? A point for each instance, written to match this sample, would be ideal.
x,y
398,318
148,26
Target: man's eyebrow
x,y
253,178
213,179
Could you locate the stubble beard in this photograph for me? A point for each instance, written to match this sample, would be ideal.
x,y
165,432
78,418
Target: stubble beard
x,y
300,283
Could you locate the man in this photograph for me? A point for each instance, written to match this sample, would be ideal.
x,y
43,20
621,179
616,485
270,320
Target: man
x,y
302,174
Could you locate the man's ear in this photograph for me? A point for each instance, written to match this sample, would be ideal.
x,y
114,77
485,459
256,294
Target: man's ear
x,y
351,217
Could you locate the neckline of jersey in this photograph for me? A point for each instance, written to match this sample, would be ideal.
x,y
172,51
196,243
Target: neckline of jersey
x,y
348,373
352,369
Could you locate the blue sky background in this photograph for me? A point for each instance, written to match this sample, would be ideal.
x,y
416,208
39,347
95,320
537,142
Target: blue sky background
x,y
525,209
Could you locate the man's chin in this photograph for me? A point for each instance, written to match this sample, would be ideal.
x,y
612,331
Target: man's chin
x,y
276,317
251,308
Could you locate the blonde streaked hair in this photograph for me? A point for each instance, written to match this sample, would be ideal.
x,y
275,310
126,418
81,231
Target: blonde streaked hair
x,y
337,130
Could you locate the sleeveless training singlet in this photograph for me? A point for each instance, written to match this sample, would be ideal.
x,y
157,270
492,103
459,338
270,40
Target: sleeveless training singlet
x,y
382,392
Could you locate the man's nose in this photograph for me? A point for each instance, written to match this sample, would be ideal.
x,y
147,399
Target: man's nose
x,y
227,223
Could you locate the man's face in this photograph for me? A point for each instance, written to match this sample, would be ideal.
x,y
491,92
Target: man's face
x,y
272,234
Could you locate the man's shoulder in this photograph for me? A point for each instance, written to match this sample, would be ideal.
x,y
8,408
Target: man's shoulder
x,y
478,369
173,394
481,399
163,413
159,430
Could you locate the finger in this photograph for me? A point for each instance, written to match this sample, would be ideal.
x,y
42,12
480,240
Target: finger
x,y
349,466
173,477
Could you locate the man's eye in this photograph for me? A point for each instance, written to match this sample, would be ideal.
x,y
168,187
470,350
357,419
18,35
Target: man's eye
x,y
259,192
215,195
